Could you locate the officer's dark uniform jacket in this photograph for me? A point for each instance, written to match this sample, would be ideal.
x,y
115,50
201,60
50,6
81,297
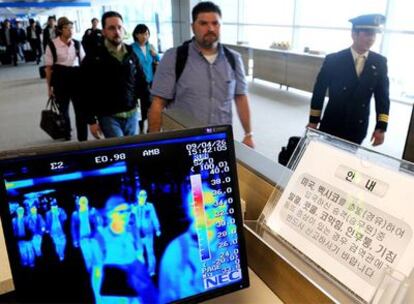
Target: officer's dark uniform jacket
x,y
347,112
91,40
109,86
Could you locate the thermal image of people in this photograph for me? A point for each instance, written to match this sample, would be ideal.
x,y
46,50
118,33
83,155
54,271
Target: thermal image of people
x,y
85,224
182,254
27,255
145,223
122,276
193,250
37,226
55,219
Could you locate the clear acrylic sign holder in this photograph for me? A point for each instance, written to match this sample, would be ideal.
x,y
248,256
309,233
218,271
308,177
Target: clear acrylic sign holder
x,y
391,286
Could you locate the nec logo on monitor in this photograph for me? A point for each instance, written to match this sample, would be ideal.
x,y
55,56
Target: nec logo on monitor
x,y
222,279
151,152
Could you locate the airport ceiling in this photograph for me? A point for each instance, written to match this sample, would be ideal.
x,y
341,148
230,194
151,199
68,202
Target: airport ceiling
x,y
18,8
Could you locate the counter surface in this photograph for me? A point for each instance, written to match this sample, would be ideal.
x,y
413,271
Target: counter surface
x,y
258,292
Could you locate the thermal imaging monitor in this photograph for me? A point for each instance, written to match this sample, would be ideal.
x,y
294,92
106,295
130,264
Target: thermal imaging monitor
x,y
148,219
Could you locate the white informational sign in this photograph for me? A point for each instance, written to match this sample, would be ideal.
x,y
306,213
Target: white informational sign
x,y
350,216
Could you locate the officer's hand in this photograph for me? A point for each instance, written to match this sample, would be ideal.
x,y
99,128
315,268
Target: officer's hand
x,y
248,141
312,125
96,131
377,137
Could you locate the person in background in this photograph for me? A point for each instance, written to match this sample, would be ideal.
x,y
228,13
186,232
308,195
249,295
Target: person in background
x,y
8,36
93,38
62,59
49,32
37,227
26,251
120,274
85,224
212,77
20,39
145,224
352,77
34,32
55,220
113,81
149,59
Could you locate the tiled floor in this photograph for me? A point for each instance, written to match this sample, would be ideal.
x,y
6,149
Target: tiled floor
x,y
277,114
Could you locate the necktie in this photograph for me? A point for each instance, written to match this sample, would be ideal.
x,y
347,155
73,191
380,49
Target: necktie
x,y
359,64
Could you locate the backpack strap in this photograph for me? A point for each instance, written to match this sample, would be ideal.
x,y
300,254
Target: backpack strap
x,y
230,57
181,59
182,55
53,50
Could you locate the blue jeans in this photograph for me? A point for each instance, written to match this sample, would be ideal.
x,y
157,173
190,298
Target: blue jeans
x,y
117,127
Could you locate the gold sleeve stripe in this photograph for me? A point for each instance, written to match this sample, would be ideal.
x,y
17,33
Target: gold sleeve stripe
x,y
383,117
315,112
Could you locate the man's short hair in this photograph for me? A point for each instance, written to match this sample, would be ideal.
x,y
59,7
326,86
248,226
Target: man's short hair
x,y
110,14
53,17
95,19
205,7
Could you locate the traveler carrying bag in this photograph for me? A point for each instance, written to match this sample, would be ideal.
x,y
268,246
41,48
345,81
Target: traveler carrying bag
x,y
52,121
286,152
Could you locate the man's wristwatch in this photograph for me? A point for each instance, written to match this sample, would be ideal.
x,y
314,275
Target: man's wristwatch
x,y
249,134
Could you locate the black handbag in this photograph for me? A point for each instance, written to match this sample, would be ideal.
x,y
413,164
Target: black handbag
x,y
52,121
286,152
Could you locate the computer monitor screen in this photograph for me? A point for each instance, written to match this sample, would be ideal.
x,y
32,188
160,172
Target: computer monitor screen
x,y
148,219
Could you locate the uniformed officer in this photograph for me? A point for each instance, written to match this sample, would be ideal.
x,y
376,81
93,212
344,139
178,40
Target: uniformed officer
x,y
352,76
93,38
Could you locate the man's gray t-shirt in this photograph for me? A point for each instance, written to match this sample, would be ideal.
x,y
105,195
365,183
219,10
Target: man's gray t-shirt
x,y
205,91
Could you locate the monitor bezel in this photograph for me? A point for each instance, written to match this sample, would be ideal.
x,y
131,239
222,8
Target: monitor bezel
x,y
32,153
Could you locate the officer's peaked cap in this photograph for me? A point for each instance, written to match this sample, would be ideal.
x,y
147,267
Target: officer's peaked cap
x,y
371,22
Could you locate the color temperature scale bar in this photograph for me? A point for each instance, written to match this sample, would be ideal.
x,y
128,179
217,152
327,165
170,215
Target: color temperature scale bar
x,y
200,216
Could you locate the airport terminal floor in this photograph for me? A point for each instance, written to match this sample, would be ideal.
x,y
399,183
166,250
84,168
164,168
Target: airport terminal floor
x,y
277,114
